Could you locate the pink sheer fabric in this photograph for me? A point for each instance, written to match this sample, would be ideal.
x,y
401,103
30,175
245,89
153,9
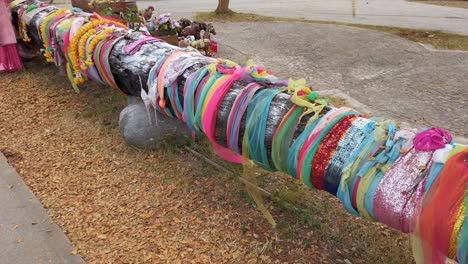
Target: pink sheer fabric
x,y
9,57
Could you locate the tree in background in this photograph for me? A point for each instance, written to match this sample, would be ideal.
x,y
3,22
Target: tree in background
x,y
223,7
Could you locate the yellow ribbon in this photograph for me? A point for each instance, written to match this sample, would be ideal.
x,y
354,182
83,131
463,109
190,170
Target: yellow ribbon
x,y
304,97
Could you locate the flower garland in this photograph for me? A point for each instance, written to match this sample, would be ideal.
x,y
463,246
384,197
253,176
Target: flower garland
x,y
82,47
48,54
104,34
77,45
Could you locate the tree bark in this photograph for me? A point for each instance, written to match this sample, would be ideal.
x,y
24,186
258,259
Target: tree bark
x,y
223,7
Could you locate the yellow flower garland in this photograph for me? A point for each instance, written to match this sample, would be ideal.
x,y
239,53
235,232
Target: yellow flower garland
x,y
77,45
74,49
98,38
82,47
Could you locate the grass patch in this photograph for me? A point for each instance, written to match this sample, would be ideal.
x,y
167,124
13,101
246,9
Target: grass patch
x,y
459,4
107,104
437,39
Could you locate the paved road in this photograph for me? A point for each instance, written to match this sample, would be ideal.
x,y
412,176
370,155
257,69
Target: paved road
x,y
27,235
398,13
396,78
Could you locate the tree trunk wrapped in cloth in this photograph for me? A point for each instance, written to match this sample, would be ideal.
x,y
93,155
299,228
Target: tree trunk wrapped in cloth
x,y
413,180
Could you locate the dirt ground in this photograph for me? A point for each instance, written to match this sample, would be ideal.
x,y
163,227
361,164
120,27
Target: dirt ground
x,y
120,205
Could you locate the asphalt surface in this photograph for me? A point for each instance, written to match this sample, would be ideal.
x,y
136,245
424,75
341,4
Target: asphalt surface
x,y
27,234
394,77
399,13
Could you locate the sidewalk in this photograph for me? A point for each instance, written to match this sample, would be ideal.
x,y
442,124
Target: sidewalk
x,y
27,234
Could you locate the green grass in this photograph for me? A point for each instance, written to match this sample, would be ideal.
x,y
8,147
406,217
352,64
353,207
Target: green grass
x,y
106,105
437,39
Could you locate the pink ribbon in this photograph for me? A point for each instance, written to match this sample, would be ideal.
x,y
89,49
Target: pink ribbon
x,y
432,139
211,114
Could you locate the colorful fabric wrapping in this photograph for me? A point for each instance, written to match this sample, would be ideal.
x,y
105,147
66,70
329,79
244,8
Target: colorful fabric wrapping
x,y
191,86
374,169
104,52
309,149
261,75
14,3
365,158
211,106
148,97
293,152
214,76
326,149
59,57
346,149
155,90
173,93
179,61
254,137
62,35
160,95
392,198
283,138
442,217
299,147
237,113
462,250
349,179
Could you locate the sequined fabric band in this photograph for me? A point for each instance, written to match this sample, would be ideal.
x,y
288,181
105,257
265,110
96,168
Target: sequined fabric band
x,y
345,149
394,191
327,148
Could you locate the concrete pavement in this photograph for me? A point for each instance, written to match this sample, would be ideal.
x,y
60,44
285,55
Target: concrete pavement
x,y
399,13
27,234
394,77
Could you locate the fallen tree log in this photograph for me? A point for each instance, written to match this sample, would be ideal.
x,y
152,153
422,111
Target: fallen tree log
x,y
412,180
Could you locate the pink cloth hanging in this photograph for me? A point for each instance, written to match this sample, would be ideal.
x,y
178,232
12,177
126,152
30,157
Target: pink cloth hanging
x,y
9,57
